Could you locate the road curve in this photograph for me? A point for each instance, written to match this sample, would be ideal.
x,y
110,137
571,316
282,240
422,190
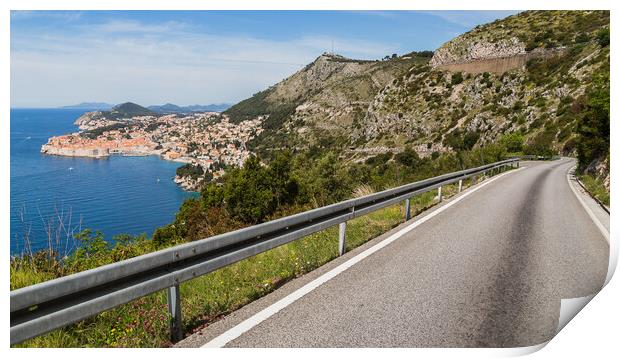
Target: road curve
x,y
489,271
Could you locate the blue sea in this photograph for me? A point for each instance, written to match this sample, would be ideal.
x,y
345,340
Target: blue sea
x,y
53,197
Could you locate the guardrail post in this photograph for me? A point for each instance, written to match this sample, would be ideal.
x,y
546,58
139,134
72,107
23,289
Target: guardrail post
x,y
342,239
407,209
460,185
439,194
174,307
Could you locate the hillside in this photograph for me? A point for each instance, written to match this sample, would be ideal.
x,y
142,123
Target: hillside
x,y
128,110
529,74
319,104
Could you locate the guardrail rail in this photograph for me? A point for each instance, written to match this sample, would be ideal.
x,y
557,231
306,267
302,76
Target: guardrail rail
x,y
53,304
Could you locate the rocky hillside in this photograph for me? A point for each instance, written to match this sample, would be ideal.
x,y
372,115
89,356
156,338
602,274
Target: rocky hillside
x,y
322,102
528,74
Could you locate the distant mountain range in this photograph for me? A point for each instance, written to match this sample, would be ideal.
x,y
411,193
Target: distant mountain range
x,y
173,108
166,108
90,105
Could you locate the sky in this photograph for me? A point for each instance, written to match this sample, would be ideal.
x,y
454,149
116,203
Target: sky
x,y
201,57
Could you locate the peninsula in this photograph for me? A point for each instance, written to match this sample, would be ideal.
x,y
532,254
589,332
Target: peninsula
x,y
206,141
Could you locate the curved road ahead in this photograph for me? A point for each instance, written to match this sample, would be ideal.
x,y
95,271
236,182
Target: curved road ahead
x,y
487,271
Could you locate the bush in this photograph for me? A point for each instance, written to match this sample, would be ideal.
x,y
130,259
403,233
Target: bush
x,y
593,128
602,37
513,142
408,157
461,141
541,145
456,78
190,170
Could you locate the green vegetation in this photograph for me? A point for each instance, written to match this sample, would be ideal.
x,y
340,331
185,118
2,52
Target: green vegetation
x,y
513,142
596,187
593,129
456,78
244,196
128,110
94,133
190,170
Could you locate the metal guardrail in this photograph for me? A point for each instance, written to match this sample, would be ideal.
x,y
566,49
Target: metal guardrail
x,y
539,157
53,304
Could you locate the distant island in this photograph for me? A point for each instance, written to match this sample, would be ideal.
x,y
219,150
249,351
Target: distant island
x,y
164,108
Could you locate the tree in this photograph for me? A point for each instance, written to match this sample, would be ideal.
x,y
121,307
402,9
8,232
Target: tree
x,y
602,37
513,142
285,186
593,128
247,192
327,181
408,157
461,141
540,144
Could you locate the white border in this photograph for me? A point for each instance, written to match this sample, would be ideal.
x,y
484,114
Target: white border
x,y
593,331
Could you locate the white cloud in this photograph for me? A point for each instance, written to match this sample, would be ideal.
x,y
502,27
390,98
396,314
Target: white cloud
x,y
64,16
127,26
471,18
149,64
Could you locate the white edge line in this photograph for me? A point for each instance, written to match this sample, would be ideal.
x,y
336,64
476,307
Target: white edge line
x,y
613,253
259,317
593,217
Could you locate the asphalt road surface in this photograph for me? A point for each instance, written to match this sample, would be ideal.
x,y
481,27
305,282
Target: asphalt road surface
x,y
488,271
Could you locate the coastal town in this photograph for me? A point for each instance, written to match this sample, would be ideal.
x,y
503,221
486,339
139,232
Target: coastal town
x,y
207,142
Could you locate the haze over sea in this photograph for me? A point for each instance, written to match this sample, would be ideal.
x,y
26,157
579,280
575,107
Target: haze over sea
x,y
113,195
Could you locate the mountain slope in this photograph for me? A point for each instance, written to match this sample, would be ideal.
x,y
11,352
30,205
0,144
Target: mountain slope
x,y
129,109
528,74
319,104
542,94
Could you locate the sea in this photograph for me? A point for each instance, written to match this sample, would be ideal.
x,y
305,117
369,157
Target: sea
x,y
53,197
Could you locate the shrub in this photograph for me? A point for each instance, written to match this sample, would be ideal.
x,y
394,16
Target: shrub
x,y
408,157
513,142
602,37
593,128
456,78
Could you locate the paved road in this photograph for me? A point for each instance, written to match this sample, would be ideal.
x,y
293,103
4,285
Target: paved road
x,y
488,271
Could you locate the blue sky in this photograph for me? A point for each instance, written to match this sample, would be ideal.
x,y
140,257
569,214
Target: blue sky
x,y
200,57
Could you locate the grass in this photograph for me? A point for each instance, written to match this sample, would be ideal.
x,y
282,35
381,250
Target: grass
x,y
144,322
595,187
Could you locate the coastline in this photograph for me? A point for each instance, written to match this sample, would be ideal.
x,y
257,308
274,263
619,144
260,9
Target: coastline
x,y
206,142
188,184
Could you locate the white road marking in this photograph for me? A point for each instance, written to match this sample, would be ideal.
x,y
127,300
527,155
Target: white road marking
x,y
259,317
613,252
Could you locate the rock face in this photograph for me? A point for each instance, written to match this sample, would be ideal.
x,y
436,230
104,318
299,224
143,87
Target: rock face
x,y
459,51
